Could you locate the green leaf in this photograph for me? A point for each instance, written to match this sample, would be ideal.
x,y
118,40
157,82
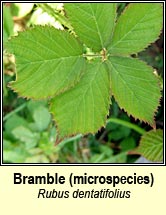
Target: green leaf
x,y
7,23
151,145
135,87
32,105
128,144
42,118
136,28
119,133
105,153
84,108
37,159
93,22
25,135
14,122
7,145
17,155
48,62
119,158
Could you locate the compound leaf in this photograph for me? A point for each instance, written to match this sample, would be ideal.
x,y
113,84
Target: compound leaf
x,y
151,145
135,87
136,28
49,61
93,22
83,109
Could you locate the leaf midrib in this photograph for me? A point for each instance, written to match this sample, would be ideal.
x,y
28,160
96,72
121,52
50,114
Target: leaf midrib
x,y
83,95
46,61
100,37
118,74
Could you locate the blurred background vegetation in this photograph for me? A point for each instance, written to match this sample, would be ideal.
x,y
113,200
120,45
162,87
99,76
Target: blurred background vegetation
x,y
29,135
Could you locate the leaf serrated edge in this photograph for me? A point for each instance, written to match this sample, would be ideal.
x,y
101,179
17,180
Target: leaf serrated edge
x,y
60,138
62,92
150,43
112,33
68,87
159,100
135,151
142,120
75,133
11,52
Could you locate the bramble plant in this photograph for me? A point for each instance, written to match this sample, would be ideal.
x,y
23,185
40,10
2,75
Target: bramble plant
x,y
80,68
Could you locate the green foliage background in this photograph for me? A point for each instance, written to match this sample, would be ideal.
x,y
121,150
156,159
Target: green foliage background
x,y
30,135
